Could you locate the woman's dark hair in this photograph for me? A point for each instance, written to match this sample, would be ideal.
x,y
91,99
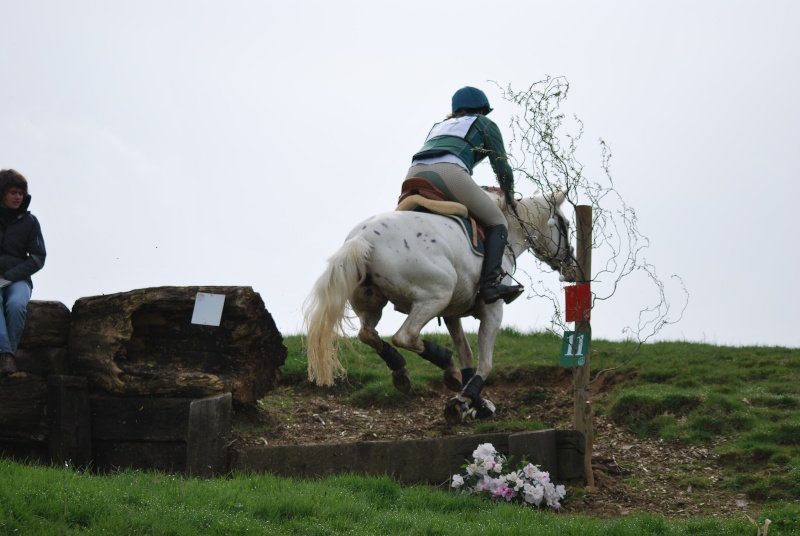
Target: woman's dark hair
x,y
470,111
10,178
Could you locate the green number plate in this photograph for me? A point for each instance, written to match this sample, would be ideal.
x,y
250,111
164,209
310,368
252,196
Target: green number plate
x,y
575,348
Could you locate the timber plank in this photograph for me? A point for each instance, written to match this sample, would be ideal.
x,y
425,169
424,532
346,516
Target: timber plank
x,y
208,433
143,455
23,403
139,419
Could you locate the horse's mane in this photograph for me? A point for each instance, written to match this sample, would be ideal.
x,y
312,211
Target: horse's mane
x,y
499,199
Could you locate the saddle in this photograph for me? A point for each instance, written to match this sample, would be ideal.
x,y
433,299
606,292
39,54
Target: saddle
x,y
418,193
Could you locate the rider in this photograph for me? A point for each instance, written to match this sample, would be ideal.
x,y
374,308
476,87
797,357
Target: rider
x,y
447,159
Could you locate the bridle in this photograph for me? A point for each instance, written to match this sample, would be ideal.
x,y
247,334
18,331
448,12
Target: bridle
x,y
538,250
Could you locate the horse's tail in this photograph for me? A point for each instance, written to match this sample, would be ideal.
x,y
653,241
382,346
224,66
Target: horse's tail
x,y
324,309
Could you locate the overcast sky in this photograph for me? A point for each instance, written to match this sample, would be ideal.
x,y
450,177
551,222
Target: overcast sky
x,y
238,142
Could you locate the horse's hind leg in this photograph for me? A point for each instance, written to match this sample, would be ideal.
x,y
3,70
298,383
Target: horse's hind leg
x,y
408,337
368,305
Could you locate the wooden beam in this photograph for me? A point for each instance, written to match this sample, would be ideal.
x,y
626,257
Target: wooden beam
x,y
209,431
69,420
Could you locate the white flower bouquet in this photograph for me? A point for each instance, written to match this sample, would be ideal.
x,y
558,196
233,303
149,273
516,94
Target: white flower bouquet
x,y
485,475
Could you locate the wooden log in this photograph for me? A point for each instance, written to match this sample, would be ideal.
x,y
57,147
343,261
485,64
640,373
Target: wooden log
x,y
142,343
23,404
411,461
571,455
208,433
129,432
47,325
42,349
25,451
537,447
139,419
169,457
433,461
43,361
24,395
68,418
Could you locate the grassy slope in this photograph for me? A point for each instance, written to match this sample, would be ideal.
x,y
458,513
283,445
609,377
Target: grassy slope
x,y
742,401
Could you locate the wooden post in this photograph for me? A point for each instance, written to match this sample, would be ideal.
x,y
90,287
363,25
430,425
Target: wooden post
x,y
208,432
583,416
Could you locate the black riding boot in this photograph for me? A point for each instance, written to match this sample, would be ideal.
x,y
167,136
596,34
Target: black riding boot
x,y
494,245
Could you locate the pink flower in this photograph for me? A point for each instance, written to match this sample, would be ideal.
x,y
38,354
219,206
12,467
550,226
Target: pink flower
x,y
506,492
529,483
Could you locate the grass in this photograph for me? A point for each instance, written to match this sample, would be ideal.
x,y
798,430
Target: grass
x,y
742,403
51,501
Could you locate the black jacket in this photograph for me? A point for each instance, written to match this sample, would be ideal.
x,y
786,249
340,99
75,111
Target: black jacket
x,y
22,251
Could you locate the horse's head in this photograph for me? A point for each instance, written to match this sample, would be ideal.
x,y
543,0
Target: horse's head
x,y
545,231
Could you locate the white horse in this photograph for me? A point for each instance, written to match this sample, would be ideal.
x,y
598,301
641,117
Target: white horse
x,y
425,265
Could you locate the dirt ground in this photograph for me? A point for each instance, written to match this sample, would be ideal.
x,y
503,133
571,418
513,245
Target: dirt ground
x,y
630,474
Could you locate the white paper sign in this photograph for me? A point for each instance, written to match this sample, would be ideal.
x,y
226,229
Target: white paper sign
x,y
208,309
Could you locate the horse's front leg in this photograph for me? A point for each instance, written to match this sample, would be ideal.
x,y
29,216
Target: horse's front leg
x,y
443,358
463,350
470,401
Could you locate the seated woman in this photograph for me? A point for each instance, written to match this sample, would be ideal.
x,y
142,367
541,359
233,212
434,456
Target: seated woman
x,y
22,254
451,151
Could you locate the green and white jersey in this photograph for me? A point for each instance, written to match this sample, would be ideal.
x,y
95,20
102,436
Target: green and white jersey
x,y
469,139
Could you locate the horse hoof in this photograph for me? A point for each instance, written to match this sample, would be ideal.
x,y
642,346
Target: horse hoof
x,y
401,380
484,412
455,410
452,380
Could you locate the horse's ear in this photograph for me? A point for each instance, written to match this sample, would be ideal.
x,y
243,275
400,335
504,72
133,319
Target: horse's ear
x,y
560,197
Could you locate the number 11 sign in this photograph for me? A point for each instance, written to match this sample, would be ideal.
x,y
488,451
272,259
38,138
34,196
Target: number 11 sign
x,y
575,348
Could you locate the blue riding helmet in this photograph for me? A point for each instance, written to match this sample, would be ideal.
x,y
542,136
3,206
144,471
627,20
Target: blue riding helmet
x,y
468,98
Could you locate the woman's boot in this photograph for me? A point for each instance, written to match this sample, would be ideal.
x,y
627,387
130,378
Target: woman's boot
x,y
494,245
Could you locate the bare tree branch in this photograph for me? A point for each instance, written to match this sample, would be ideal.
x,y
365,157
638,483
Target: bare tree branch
x,y
543,149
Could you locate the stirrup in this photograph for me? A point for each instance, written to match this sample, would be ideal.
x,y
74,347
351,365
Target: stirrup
x,y
506,292
518,290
